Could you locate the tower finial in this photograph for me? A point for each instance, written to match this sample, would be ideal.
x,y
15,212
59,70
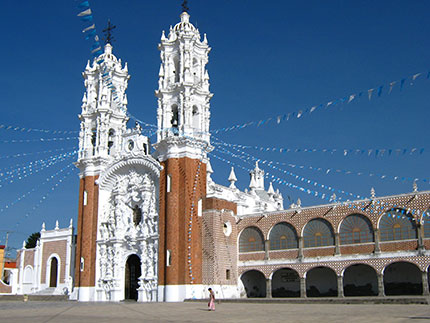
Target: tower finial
x,y
108,33
185,6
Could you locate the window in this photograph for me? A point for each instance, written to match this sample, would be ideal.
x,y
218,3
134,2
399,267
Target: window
x,y
227,274
397,224
355,228
318,233
137,215
250,240
85,197
283,236
168,183
168,258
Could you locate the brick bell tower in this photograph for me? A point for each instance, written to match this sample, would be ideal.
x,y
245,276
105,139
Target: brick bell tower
x,y
183,142
103,121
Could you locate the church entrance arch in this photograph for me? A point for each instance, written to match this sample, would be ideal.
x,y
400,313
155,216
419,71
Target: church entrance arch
x,y
360,280
132,274
53,272
402,278
321,282
286,283
254,283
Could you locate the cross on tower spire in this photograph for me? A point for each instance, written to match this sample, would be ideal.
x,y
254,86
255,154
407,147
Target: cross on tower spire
x,y
185,6
108,33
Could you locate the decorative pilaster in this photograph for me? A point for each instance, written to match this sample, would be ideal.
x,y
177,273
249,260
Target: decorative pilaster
x,y
424,279
302,287
377,240
381,290
268,288
337,244
300,255
266,249
421,246
340,286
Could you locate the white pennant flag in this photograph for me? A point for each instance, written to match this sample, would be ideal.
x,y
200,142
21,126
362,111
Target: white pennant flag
x,y
351,97
391,86
93,26
369,92
85,13
313,109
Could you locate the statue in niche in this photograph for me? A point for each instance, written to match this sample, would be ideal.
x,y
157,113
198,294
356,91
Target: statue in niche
x,y
137,215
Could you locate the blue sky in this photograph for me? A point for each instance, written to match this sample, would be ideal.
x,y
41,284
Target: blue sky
x,y
268,59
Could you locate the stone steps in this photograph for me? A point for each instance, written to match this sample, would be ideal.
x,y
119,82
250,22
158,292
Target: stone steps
x,y
34,297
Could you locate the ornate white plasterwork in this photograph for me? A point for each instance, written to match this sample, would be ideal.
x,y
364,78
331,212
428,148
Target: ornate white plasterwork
x,y
128,225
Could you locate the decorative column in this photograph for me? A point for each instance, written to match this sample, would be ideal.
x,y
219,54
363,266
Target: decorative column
x,y
421,246
377,239
340,286
302,287
268,288
266,249
300,255
381,291
425,283
337,243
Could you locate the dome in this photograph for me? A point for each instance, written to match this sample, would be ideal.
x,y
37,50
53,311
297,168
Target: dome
x,y
185,24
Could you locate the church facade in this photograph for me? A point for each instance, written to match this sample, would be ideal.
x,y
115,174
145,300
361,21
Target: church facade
x,y
154,226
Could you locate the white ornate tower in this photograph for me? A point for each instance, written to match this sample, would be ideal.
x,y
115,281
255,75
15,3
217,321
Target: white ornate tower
x,y
103,117
183,94
182,145
103,122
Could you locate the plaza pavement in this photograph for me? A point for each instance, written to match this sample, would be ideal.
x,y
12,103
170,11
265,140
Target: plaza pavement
x,y
125,312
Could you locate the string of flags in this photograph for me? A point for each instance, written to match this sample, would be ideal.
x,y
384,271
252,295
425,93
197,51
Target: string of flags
x,y
23,196
246,157
369,94
45,196
23,129
37,140
376,152
34,153
32,169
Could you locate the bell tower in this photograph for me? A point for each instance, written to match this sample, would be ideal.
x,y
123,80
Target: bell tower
x,y
183,141
103,122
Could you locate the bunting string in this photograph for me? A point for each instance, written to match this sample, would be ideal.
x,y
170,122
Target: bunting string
x,y
23,129
35,153
38,140
45,196
32,169
28,193
401,84
376,152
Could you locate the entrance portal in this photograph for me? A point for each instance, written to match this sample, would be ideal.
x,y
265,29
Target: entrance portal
x,y
54,272
132,274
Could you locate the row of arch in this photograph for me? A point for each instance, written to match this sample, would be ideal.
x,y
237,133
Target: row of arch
x,y
396,224
399,278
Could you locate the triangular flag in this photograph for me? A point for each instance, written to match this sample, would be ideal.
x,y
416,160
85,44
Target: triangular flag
x,y
391,86
351,97
369,93
93,26
85,13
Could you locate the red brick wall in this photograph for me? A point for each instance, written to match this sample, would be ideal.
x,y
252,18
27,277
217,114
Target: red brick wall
x,y
287,254
355,249
59,248
252,256
319,252
87,232
399,245
218,204
175,209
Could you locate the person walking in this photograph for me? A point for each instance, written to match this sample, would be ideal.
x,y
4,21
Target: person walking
x,y
211,303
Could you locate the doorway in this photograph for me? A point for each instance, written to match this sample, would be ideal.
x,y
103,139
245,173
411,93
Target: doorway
x,y
132,274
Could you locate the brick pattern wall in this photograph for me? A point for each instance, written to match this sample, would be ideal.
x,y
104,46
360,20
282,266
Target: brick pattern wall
x,y
59,248
399,245
357,249
175,210
318,252
219,249
87,232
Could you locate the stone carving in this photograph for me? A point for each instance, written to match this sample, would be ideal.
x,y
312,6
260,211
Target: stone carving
x,y
120,235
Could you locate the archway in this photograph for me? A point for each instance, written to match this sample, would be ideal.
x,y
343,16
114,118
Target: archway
x,y
286,283
360,280
321,282
254,283
402,278
53,272
132,274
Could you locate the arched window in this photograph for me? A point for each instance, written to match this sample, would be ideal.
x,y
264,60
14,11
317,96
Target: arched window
x,y
110,139
355,228
137,215
283,236
251,239
94,140
425,220
318,233
175,119
397,224
176,70
196,118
